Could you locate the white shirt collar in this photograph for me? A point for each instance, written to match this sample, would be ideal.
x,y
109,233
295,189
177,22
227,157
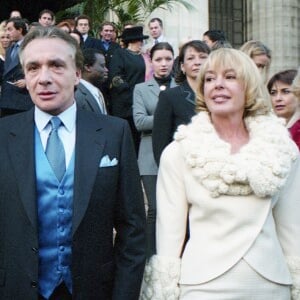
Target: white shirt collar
x,y
93,89
85,36
68,117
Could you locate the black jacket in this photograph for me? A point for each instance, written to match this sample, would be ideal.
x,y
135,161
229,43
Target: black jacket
x,y
175,106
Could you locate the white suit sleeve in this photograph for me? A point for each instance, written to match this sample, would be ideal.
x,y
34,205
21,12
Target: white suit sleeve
x,y
162,272
287,218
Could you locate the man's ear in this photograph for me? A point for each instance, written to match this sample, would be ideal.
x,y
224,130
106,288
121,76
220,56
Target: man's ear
x,y
77,76
87,68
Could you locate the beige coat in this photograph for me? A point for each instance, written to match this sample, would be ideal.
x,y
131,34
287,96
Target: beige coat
x,y
225,229
229,225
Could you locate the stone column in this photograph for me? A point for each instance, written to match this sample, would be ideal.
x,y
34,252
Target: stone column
x,y
276,23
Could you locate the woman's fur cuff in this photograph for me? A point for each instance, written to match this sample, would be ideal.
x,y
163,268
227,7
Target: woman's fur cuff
x,y
294,267
161,278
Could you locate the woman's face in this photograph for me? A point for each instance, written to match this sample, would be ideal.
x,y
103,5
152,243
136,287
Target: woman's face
x,y
261,61
224,93
192,62
284,102
136,46
208,41
162,62
4,40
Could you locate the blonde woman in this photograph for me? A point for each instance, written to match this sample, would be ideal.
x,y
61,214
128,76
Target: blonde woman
x,y
260,54
238,185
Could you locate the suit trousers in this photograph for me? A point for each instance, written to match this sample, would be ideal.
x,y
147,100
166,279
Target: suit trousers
x,y
149,183
61,292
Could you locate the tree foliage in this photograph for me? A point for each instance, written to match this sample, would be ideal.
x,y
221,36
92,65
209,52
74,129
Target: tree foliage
x,y
125,10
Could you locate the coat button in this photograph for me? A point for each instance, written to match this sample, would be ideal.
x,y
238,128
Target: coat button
x,y
34,284
34,249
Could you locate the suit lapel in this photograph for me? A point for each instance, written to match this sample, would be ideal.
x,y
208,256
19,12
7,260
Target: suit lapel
x,y
22,153
90,99
189,94
89,147
153,87
173,83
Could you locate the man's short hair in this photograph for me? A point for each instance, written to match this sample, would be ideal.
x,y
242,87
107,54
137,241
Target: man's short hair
x,y
54,33
47,11
105,23
215,35
82,17
160,22
19,24
89,56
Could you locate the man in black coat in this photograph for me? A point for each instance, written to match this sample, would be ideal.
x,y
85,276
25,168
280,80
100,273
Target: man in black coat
x,y
14,95
83,25
94,72
107,46
56,231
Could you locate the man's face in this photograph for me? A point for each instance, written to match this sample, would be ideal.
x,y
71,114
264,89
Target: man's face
x,y
98,71
50,74
107,32
155,29
13,33
15,14
46,20
83,26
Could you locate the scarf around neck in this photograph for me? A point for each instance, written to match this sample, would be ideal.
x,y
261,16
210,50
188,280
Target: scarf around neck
x,y
260,167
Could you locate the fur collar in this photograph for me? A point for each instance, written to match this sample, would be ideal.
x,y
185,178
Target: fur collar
x,y
260,167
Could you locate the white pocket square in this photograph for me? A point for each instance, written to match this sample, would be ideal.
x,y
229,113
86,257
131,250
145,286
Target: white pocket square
x,y
106,162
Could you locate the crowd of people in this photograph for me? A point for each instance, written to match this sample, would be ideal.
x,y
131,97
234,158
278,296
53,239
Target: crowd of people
x,y
94,128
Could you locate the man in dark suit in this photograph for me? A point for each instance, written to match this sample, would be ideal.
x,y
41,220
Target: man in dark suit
x,y
94,72
107,46
14,95
68,177
82,24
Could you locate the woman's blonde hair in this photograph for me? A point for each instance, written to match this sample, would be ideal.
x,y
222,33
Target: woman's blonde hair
x,y
2,50
257,98
255,48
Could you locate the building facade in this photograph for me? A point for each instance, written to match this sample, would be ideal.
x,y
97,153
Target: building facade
x,y
276,23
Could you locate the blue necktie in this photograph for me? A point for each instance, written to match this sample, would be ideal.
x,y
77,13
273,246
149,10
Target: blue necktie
x,y
14,51
55,149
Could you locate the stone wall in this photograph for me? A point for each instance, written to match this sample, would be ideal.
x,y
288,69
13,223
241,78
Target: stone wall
x,y
277,24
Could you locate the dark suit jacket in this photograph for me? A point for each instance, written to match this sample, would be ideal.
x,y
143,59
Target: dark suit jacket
x,y
104,198
91,42
131,69
110,52
175,106
13,97
85,100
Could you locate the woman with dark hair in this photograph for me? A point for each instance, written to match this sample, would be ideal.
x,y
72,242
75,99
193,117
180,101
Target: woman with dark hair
x,y
286,103
126,70
177,105
145,98
211,37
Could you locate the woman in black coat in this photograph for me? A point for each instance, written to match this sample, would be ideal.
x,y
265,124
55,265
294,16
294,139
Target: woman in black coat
x,y
126,70
176,106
